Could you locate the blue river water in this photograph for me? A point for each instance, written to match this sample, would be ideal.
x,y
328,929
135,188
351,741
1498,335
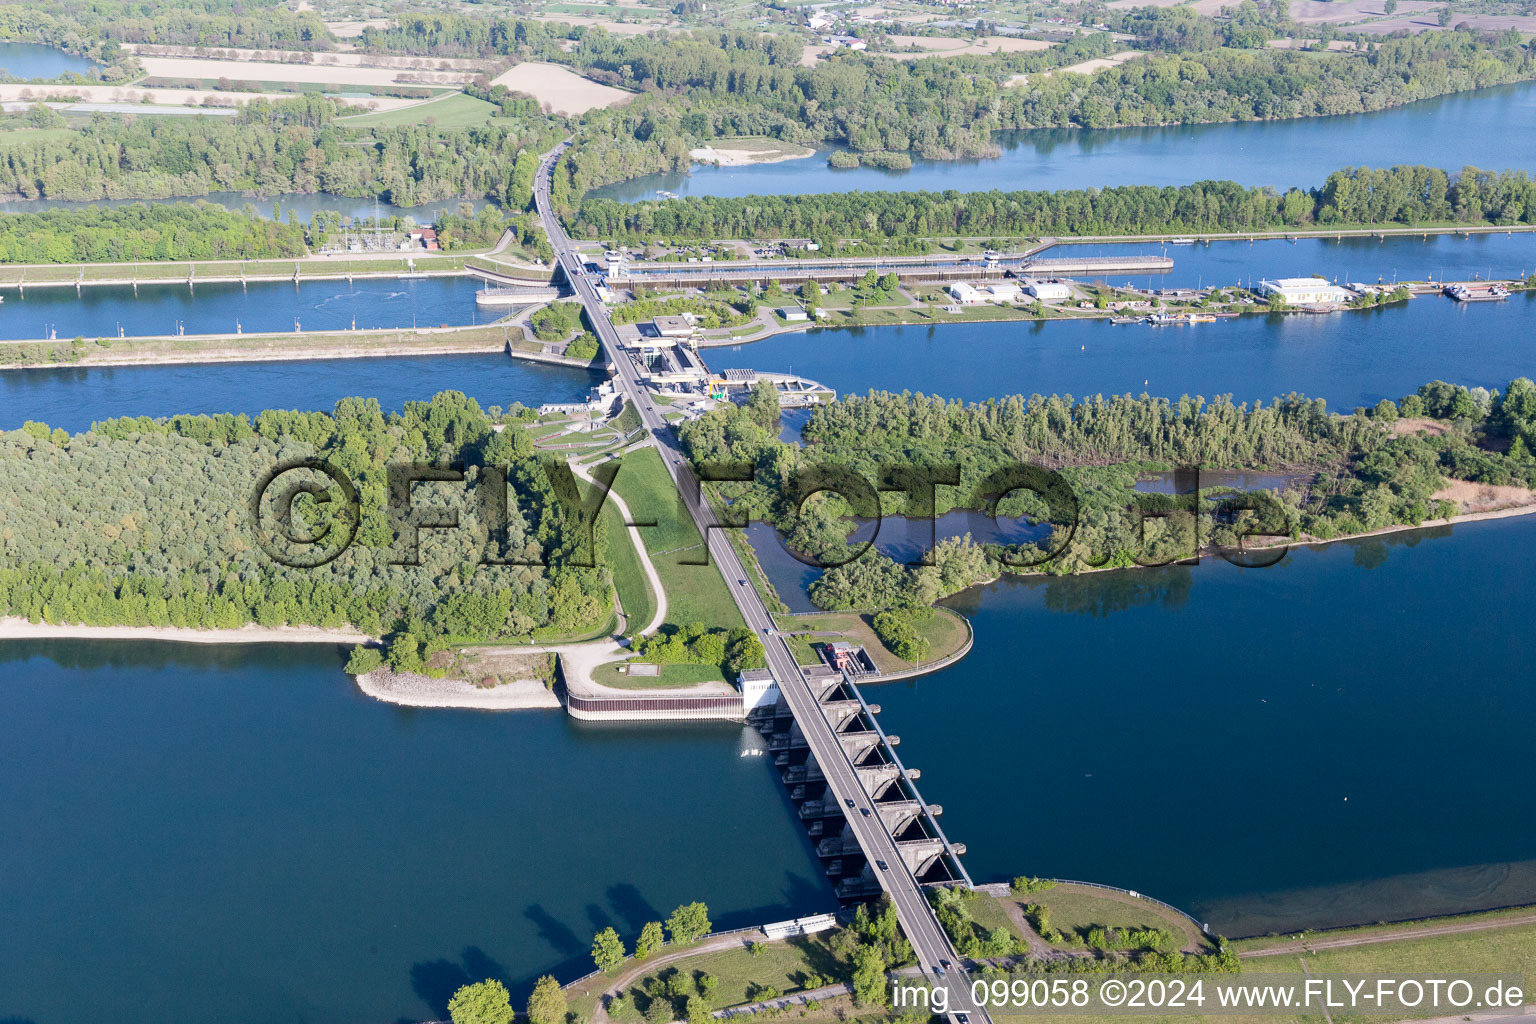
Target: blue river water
x,y
194,826
1449,132
75,397
34,60
99,311
1257,746
1348,358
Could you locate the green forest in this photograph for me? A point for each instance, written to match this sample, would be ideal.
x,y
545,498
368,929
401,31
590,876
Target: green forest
x,y
142,521
1350,473
900,221
724,85
291,145
180,231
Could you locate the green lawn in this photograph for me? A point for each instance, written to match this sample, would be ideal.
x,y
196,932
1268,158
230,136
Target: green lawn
x,y
695,593
450,112
27,136
629,580
782,965
1076,909
670,675
946,632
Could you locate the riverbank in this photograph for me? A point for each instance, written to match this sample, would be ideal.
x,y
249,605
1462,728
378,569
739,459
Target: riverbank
x,y
249,348
742,152
16,628
417,691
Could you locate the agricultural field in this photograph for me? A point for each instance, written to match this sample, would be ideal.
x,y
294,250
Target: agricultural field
x,y
449,113
565,91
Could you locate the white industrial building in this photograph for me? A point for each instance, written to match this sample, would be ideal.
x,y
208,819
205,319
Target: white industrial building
x,y
1305,291
1001,293
1048,291
758,689
965,294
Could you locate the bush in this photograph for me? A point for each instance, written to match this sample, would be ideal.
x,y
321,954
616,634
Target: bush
x,y
364,659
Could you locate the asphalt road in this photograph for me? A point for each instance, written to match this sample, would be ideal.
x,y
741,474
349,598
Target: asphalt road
x,y
917,919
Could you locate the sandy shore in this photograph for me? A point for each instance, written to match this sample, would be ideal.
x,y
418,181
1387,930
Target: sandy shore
x,y
425,692
16,628
727,157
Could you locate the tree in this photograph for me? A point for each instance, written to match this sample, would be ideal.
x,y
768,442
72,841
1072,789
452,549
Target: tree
x,y
547,1004
1444,17
607,949
484,1002
689,923
1390,7
698,1011
869,977
363,660
650,940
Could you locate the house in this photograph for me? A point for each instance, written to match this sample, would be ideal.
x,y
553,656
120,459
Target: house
x,y
1304,291
819,21
847,42
1048,291
428,239
793,314
965,294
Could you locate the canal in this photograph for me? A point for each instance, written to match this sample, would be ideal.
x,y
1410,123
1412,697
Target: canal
x,y
166,308
1449,132
239,827
1348,358
75,397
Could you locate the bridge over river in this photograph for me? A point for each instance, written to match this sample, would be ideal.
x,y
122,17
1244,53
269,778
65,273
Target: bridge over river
x,y
812,718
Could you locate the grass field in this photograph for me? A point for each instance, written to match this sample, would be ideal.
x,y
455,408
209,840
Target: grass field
x,y
695,593
629,580
669,676
782,965
280,269
27,136
453,111
946,633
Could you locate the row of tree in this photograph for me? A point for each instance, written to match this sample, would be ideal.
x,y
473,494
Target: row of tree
x,y
1402,196
179,231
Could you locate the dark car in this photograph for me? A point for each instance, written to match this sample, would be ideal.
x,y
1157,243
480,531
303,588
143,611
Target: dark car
x,y
883,865
742,582
961,1018
864,811
848,802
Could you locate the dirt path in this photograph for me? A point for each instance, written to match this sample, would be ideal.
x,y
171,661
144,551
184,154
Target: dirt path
x,y
1037,945
1420,932
642,967
645,558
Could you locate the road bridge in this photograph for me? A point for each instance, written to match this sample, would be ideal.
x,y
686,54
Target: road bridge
x,y
918,920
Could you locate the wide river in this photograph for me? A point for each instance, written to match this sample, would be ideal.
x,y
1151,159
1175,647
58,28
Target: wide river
x,y
1258,746
240,826
1449,132
193,826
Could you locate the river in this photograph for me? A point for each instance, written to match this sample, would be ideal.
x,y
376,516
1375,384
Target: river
x,y
73,397
34,60
1449,132
99,311
1349,358
1256,746
197,826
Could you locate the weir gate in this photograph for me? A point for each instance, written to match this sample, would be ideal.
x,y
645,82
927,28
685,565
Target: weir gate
x,y
889,791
